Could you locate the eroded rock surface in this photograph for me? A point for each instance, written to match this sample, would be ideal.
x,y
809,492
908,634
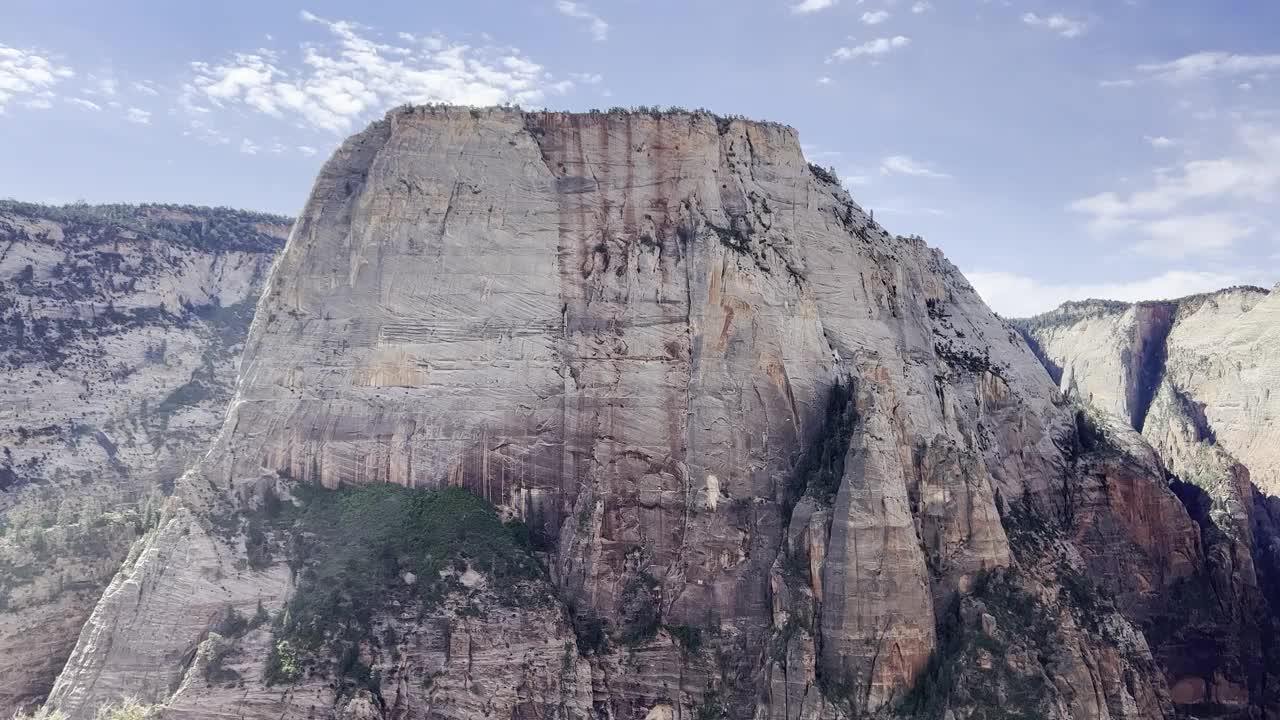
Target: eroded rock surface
x,y
1212,356
1196,377
119,331
782,464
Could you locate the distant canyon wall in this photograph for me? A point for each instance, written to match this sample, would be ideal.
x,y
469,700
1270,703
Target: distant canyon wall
x,y
120,327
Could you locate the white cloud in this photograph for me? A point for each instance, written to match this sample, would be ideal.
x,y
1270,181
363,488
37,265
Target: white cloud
x,y
1205,65
595,24
28,77
248,147
138,115
824,80
811,6
86,104
923,6
1180,236
201,130
102,85
146,88
354,77
905,165
871,48
875,17
1254,175
1116,83
1059,23
587,78
307,150
1160,142
1196,207
1014,295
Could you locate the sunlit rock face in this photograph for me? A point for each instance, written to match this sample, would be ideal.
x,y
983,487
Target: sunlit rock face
x,y
120,327
1214,355
773,458
1197,377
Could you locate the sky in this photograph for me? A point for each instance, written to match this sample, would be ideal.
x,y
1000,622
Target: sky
x,y
1054,150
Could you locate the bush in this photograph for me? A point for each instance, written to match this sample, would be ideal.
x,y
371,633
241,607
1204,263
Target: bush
x,y
689,637
232,624
215,670
257,547
821,469
712,707
283,664
352,547
129,709
590,632
1006,690
641,615
826,175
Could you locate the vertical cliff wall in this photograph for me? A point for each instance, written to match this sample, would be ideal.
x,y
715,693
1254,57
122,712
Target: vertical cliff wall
x,y
775,461
1212,419
1211,354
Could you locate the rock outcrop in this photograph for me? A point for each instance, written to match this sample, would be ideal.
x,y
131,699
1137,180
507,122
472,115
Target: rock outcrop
x,y
119,331
1196,377
772,461
1210,359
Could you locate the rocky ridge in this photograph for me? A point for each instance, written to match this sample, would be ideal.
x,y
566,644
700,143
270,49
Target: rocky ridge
x,y
119,331
763,459
1195,376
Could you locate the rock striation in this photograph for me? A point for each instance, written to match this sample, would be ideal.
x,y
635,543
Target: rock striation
x,y
119,331
1196,376
1212,355
773,461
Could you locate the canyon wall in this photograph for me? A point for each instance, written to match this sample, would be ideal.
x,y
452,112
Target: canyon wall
x,y
119,331
1203,370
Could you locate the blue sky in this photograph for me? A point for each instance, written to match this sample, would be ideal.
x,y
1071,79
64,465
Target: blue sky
x,y
1054,150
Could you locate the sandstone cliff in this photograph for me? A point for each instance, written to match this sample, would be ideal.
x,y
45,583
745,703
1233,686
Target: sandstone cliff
x,y
1196,377
119,330
1213,354
761,458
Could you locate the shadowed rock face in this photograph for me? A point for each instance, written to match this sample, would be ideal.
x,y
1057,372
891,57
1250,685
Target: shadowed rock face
x,y
1211,418
627,330
119,331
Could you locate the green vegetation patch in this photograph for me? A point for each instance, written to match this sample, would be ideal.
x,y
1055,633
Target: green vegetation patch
x,y
357,549
688,636
641,615
821,469
825,174
217,228
1004,690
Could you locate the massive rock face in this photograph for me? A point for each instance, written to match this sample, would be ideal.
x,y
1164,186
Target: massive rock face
x,y
119,330
1213,356
1196,377
785,465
